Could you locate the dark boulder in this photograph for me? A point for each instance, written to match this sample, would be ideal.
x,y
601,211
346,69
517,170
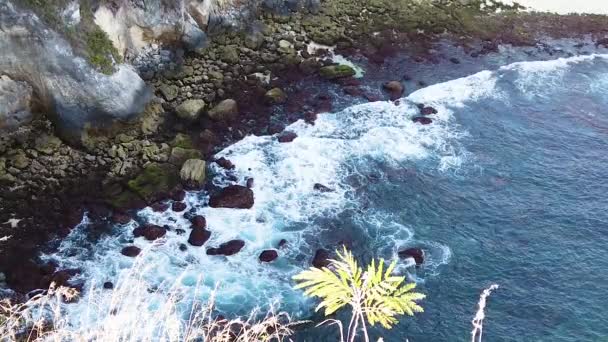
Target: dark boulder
x,y
321,258
269,255
228,248
108,285
225,163
287,137
427,110
423,120
150,231
416,253
199,222
178,195
199,236
120,217
322,188
179,206
159,207
130,251
233,196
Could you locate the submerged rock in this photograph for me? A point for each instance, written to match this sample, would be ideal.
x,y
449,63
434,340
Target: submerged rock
x,y
423,120
269,255
228,248
321,258
322,188
233,196
394,88
287,136
108,285
427,110
178,206
131,251
416,253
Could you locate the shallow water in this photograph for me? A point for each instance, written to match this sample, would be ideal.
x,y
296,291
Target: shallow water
x,y
506,186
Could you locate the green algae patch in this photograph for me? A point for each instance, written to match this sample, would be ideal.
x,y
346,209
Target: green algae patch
x,y
155,179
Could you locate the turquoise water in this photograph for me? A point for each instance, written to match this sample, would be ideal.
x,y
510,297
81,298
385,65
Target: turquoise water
x,y
506,186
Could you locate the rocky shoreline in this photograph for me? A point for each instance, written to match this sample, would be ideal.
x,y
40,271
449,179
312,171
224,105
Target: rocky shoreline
x,y
251,81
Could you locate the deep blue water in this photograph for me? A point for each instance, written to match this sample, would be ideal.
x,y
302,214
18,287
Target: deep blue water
x,y
528,210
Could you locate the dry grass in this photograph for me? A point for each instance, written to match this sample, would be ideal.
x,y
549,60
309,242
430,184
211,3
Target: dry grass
x,y
125,315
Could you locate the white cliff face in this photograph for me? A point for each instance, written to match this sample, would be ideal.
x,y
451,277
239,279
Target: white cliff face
x,y
74,92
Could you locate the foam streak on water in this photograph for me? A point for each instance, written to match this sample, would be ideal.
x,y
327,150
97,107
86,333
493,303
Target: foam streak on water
x,y
286,204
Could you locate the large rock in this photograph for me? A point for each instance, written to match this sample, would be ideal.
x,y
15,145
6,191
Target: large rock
x,y
190,109
321,258
180,155
150,231
15,103
193,172
154,182
332,72
269,255
228,248
233,196
226,110
415,253
198,236
73,93
131,251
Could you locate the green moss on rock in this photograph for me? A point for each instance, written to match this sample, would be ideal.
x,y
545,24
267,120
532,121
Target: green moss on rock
x,y
100,51
336,71
153,180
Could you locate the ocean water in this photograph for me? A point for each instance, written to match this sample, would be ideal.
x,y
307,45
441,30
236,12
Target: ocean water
x,y
506,186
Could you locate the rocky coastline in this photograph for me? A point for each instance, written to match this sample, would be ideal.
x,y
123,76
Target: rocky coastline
x,y
253,78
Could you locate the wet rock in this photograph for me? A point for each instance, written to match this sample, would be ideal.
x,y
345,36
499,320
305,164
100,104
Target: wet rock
x,y
275,96
198,236
159,207
225,163
321,258
177,195
108,285
332,72
233,196
130,251
282,243
416,253
180,231
287,137
226,110
455,60
183,247
250,183
269,255
193,172
150,232
394,88
178,206
427,110
199,222
190,109
120,218
423,120
228,248
322,188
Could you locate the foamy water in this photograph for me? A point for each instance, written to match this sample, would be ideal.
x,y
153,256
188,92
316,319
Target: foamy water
x,y
338,146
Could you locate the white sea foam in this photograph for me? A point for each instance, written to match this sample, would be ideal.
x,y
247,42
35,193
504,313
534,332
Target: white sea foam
x,y
286,204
